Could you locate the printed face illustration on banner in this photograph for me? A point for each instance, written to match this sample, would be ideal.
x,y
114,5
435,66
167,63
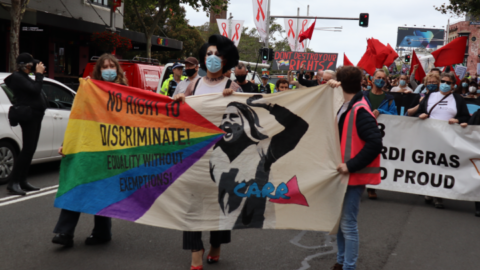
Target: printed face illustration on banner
x,y
260,17
243,181
235,29
292,34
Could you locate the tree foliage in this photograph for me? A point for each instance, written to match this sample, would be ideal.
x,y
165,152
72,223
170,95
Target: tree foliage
x,y
460,8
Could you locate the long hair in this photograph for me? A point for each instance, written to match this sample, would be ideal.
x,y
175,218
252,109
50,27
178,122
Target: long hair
x,y
97,73
252,119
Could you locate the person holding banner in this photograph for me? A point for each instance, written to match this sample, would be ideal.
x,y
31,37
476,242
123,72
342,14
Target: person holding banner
x,y
403,85
241,74
361,144
421,88
216,57
432,83
447,106
107,69
379,103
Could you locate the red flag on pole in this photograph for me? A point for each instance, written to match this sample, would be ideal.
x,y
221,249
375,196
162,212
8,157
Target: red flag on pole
x,y
452,53
379,50
420,73
346,62
308,33
368,61
116,3
392,55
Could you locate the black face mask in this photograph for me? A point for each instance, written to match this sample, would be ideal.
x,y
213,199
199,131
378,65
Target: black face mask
x,y
190,72
241,78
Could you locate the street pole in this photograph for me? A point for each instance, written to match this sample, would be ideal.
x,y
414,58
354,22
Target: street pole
x,y
296,36
230,26
268,24
307,42
112,20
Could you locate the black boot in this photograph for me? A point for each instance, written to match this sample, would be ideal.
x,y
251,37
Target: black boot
x,y
27,187
63,239
14,188
477,209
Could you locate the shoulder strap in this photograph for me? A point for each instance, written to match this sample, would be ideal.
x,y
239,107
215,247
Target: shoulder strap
x,y
229,82
195,88
433,107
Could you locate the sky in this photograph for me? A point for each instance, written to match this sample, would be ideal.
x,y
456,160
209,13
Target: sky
x,y
385,17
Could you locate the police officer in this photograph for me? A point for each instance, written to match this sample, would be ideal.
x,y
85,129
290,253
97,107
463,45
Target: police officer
x,y
169,85
265,87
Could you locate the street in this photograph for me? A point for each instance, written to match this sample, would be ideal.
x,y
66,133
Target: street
x,y
398,231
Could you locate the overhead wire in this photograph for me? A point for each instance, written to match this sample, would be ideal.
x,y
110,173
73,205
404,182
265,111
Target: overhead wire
x,y
67,9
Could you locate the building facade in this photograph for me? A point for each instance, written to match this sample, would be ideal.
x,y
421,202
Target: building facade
x,y
58,33
470,29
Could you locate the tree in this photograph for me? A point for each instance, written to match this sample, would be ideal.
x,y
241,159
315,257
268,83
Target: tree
x,y
461,8
152,14
16,15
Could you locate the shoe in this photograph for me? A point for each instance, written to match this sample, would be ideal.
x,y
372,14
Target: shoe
x,y
63,239
27,187
337,266
92,240
15,189
199,267
439,205
212,259
428,200
371,194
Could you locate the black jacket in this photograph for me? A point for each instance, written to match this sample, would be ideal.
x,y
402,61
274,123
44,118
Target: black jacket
x,y
27,92
475,119
307,83
368,131
462,110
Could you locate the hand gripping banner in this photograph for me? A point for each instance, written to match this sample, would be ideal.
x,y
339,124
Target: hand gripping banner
x,y
213,163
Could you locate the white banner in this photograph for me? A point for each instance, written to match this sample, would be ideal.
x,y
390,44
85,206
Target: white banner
x,y
430,157
293,33
231,29
460,71
260,17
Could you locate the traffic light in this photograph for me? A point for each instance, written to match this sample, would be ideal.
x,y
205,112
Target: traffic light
x,y
407,58
364,19
267,54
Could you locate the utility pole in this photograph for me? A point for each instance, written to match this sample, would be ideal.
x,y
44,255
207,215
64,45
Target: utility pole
x,y
268,24
230,26
112,20
298,22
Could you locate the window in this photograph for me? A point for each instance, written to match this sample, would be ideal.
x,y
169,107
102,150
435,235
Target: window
x,y
58,97
101,2
9,93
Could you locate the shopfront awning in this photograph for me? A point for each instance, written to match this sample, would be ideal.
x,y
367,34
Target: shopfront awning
x,y
138,39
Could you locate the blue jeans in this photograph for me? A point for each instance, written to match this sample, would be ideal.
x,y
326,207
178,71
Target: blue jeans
x,y
347,236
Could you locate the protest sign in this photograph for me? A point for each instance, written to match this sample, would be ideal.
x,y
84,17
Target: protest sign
x,y
213,163
312,61
430,157
460,71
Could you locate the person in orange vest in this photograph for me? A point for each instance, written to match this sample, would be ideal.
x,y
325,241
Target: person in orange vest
x,y
361,144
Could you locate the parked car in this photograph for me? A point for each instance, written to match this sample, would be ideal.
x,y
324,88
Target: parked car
x,y
54,124
142,73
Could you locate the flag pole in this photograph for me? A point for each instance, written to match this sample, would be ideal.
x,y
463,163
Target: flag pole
x,y
296,37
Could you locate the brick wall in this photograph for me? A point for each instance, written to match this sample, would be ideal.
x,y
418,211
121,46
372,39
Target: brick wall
x,y
473,32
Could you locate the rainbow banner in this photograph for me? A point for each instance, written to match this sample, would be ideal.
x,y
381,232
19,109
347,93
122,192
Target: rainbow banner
x,y
213,163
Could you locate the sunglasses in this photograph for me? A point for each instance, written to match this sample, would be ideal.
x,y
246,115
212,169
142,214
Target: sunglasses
x,y
449,83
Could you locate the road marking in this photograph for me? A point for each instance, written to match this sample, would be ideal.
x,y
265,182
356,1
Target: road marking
x,y
28,193
329,242
25,198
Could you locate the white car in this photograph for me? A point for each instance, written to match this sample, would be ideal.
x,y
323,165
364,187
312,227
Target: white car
x,y
54,124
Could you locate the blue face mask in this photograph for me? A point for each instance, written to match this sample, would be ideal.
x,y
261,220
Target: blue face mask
x,y
214,63
403,83
464,84
432,87
445,87
369,87
109,75
379,83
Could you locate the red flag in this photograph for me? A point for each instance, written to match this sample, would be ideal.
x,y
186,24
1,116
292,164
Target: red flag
x,y
420,73
452,70
368,61
452,53
308,33
392,55
379,50
346,62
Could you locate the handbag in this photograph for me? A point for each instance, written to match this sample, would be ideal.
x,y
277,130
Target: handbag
x,y
19,113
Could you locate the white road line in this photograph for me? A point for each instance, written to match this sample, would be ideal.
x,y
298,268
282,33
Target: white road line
x,y
28,193
25,198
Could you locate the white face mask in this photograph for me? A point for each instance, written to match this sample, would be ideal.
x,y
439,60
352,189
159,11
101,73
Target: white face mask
x,y
472,89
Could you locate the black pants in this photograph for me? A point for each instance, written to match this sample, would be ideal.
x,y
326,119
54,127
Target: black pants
x,y
68,221
477,206
193,240
30,135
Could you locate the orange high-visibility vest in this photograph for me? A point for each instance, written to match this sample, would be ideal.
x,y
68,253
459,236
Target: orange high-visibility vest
x,y
351,145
